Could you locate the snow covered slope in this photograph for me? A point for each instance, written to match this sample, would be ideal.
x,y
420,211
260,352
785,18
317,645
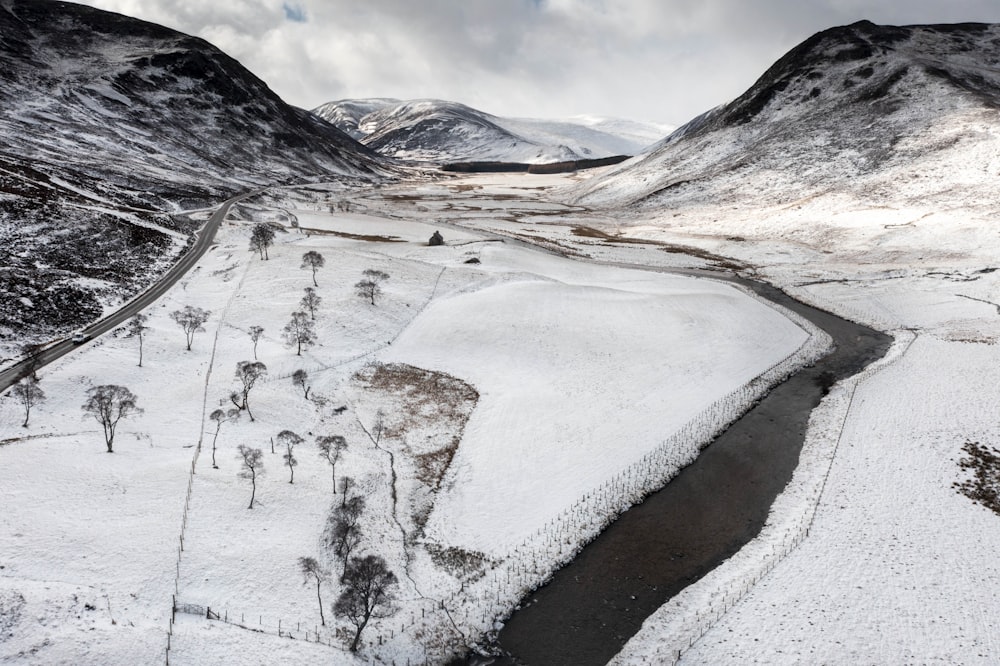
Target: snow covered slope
x,y
438,131
858,109
108,124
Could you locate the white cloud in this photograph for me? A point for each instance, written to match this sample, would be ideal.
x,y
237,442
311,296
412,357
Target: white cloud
x,y
662,60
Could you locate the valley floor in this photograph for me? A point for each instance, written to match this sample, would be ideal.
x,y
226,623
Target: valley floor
x,y
497,413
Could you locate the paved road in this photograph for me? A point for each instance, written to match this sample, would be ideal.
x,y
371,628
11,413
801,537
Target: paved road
x,y
204,238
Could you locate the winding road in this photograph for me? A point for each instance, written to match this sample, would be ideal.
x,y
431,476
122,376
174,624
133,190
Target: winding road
x,y
204,238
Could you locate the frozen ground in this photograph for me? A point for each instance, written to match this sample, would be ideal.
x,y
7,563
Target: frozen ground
x,y
869,556
566,401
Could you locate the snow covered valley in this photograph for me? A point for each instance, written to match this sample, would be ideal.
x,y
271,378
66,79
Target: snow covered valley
x,y
497,414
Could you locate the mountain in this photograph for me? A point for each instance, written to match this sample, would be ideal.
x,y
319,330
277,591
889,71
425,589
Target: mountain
x,y
441,132
889,115
110,126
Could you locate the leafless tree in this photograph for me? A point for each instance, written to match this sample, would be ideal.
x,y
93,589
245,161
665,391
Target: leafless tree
x,y
255,332
135,328
109,404
313,260
311,302
301,379
289,440
370,285
331,447
345,533
220,417
378,427
251,467
248,372
32,362
369,592
191,320
29,395
346,483
312,571
261,238
299,331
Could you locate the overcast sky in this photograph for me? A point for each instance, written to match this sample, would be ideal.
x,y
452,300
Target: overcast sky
x,y
656,60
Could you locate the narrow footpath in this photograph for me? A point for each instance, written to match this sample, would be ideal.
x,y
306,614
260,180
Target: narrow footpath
x,y
596,603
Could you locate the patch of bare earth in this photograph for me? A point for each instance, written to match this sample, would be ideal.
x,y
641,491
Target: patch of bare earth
x,y
424,416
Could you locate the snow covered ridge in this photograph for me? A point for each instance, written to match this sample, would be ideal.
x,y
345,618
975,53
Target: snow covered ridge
x,y
856,109
439,131
111,124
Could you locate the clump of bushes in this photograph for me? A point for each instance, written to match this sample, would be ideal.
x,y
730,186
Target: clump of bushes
x,y
983,462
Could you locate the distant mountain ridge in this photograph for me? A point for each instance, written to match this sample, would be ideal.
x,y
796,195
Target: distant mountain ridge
x,y
439,131
862,109
109,124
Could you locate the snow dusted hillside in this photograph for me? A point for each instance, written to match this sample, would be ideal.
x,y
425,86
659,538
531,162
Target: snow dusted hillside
x,y
438,131
109,125
858,111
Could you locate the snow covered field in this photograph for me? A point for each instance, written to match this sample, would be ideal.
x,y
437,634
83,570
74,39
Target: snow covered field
x,y
580,372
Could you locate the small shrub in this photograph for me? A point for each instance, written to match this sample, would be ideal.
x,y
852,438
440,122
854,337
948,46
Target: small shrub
x,y
984,486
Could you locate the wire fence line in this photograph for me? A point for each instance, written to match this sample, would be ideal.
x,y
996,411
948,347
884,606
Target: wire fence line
x,y
194,464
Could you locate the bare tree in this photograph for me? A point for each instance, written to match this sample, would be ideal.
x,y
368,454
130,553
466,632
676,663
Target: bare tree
x,y
28,393
191,320
313,260
255,332
299,331
135,328
311,301
109,404
261,238
369,592
378,427
220,417
289,440
370,285
248,372
301,379
345,533
330,448
311,570
346,483
31,360
251,467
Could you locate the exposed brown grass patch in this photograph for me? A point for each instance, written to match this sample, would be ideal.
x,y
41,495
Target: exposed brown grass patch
x,y
430,414
718,260
370,238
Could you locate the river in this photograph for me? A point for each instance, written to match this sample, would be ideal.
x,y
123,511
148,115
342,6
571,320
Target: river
x,y
591,607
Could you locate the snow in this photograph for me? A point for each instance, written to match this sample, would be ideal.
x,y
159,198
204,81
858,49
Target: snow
x,y
557,386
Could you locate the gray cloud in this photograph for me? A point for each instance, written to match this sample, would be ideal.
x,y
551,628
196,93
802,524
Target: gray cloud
x,y
661,60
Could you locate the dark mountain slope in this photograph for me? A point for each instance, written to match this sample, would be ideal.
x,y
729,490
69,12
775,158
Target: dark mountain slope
x,y
109,125
862,109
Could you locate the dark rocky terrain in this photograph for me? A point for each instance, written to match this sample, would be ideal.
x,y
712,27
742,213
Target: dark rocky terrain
x,y
111,125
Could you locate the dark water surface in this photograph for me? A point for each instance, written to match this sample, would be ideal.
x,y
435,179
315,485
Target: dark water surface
x,y
594,604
